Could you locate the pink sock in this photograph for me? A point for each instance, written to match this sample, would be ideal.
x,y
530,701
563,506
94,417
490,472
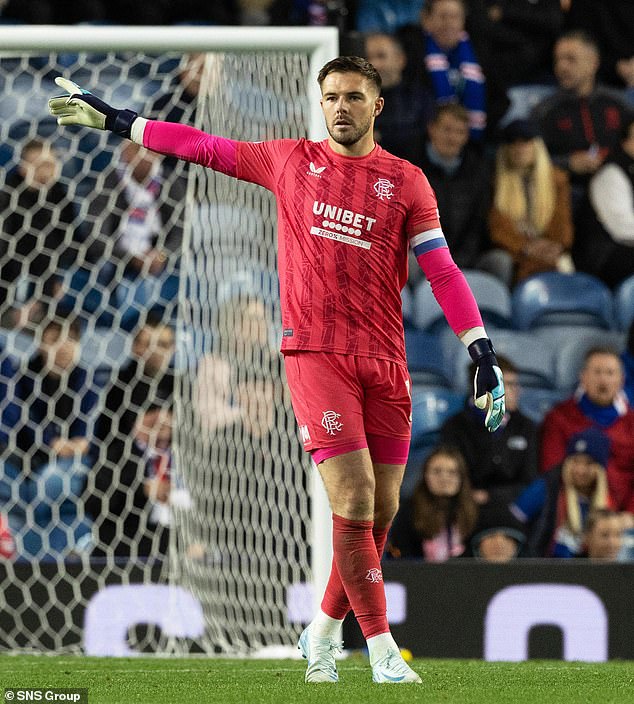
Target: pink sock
x,y
359,571
335,602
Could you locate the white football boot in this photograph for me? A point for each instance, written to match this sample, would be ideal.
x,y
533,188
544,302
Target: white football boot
x,y
320,654
391,668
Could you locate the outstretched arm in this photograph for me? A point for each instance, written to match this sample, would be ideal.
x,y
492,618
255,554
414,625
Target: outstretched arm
x,y
80,107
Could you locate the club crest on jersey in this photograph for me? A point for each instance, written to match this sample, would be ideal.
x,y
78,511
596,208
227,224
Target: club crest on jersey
x,y
316,171
331,423
384,189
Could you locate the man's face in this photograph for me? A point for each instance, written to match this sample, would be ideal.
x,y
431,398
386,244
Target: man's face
x,y
497,547
446,23
154,346
386,57
141,160
60,351
350,103
153,429
40,168
602,378
605,538
575,63
583,472
448,135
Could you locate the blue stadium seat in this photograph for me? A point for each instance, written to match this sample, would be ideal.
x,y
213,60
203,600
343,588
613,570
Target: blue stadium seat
x,y
428,315
535,362
492,296
551,298
624,303
570,345
425,360
430,408
535,403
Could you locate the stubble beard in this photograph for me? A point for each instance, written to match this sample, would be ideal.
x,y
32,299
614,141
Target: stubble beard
x,y
352,137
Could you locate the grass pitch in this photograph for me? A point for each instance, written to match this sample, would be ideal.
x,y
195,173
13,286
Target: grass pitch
x,y
202,681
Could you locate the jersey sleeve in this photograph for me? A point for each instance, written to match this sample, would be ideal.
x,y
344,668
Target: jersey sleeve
x,y
263,162
423,214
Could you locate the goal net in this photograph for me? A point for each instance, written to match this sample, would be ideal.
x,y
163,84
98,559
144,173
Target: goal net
x,y
147,508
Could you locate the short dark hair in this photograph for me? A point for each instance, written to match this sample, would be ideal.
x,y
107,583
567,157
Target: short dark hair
x,y
351,64
454,109
581,35
600,350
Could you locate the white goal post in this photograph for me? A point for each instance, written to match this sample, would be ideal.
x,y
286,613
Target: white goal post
x,y
220,107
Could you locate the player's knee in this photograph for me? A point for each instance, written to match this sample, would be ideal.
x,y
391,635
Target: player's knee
x,y
385,512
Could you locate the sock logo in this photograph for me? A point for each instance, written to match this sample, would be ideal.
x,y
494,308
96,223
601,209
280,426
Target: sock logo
x,y
374,575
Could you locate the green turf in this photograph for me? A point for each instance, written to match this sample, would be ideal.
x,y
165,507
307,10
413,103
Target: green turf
x,y
189,681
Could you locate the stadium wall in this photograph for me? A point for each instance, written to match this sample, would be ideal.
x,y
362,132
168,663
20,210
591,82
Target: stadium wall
x,y
568,610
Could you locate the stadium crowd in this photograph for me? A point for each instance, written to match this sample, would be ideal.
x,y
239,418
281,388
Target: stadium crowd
x,y
521,115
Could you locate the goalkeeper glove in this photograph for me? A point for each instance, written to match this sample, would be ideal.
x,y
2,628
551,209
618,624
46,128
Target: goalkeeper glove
x,y
83,108
488,384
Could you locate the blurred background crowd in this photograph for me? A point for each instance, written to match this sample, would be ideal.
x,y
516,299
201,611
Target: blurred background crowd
x,y
521,114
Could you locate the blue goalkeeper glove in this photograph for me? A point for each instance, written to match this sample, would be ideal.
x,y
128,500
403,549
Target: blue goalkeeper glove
x,y
488,384
83,108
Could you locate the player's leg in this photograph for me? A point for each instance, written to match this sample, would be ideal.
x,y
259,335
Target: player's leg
x,y
387,417
327,401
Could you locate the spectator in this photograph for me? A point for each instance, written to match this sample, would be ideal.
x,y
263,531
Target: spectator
x,y
555,507
612,23
582,120
531,215
461,181
513,40
604,535
134,492
179,103
442,46
627,357
408,106
599,402
604,245
144,378
36,234
313,13
234,382
141,233
386,16
626,553
498,536
503,463
54,398
435,523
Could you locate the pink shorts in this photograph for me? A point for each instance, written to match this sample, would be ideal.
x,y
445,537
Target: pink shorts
x,y
343,403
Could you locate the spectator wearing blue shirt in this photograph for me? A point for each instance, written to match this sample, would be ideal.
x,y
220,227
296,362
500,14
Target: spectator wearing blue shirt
x,y
47,429
555,507
440,53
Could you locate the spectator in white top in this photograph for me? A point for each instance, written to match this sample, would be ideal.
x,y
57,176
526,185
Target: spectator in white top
x,y
604,242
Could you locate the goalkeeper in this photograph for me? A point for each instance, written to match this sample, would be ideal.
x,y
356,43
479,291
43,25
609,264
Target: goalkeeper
x,y
347,213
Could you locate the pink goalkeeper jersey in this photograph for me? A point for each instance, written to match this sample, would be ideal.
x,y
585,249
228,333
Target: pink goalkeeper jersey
x,y
344,225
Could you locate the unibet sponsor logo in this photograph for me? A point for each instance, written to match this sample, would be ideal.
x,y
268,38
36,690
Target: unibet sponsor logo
x,y
341,224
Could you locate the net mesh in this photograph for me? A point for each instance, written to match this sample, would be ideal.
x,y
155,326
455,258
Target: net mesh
x,y
190,475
